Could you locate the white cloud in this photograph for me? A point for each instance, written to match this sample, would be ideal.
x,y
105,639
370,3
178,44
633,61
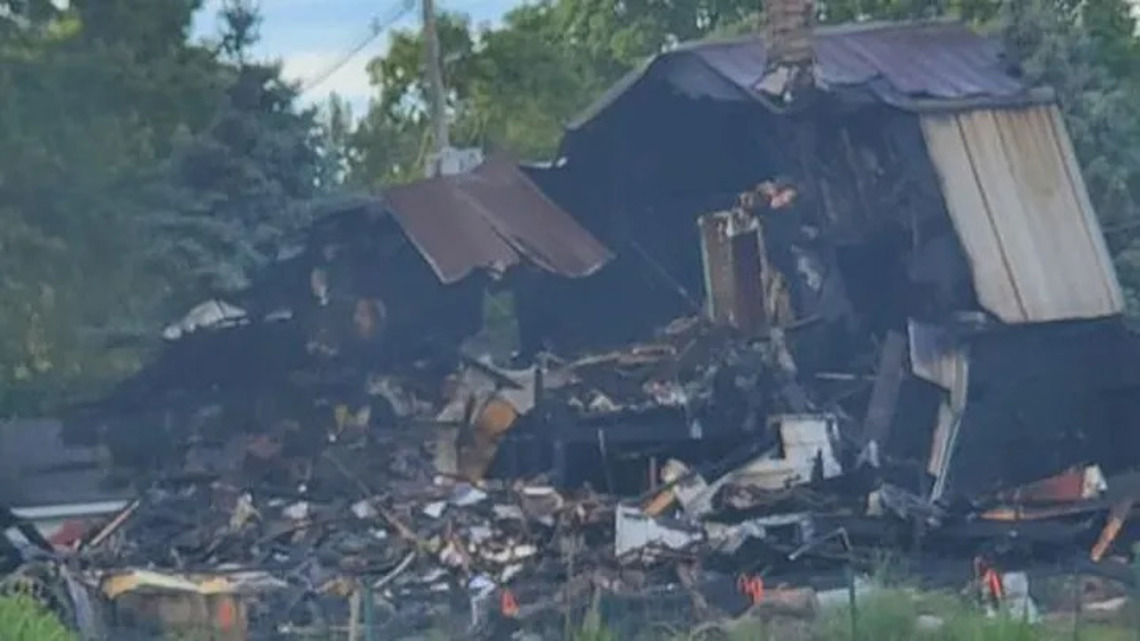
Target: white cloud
x,y
350,81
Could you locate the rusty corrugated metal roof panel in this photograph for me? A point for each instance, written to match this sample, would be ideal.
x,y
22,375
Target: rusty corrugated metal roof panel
x,y
915,66
1020,207
493,217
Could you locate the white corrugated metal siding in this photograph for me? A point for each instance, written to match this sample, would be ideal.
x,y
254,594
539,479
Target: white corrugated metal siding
x,y
1020,207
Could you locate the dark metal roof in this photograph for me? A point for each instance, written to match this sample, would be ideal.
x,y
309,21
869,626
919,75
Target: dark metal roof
x,y
493,217
914,66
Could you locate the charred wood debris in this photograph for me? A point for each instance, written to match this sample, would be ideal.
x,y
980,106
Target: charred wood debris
x,y
823,388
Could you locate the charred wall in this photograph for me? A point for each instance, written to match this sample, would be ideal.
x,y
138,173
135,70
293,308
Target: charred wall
x,y
638,182
872,225
871,230
1041,399
359,301
365,256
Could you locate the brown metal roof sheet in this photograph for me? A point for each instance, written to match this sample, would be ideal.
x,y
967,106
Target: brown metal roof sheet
x,y
914,66
493,217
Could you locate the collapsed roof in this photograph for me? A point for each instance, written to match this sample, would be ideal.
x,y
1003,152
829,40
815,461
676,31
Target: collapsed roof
x,y
917,67
493,218
395,266
938,196
489,219
1009,180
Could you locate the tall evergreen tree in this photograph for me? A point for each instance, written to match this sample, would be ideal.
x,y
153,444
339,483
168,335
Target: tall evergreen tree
x,y
140,170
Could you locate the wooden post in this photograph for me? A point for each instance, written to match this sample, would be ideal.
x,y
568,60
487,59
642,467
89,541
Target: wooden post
x,y
354,614
436,92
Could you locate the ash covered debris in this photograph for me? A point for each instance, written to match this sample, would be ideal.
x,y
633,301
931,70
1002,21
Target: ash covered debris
x,y
361,327
769,339
417,545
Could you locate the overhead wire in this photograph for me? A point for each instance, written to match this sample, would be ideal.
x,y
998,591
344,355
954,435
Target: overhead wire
x,y
378,27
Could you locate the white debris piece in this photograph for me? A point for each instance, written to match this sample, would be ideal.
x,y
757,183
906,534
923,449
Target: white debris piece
x,y
691,491
1019,605
364,510
633,531
727,539
435,509
806,439
212,314
244,512
297,511
1093,483
465,495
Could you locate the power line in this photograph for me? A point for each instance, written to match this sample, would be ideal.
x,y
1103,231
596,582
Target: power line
x,y
378,27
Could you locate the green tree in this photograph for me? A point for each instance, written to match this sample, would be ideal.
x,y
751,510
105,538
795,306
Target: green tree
x,y
241,187
75,148
242,22
515,86
336,153
840,11
140,170
1089,53
17,16
22,618
391,142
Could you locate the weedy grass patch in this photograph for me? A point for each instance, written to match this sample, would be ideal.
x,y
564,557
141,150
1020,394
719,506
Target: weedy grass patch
x,y
25,619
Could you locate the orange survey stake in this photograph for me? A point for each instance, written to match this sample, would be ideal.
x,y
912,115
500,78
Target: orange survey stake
x,y
507,604
752,587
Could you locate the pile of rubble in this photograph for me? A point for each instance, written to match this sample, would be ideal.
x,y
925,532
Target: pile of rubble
x,y
372,516
306,462
695,393
415,549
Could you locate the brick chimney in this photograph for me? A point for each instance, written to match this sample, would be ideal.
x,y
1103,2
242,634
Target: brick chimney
x,y
790,56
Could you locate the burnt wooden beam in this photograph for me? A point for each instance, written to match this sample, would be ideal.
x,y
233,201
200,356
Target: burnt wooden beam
x,y
885,393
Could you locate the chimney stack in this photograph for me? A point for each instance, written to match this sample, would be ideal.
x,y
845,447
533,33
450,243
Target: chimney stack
x,y
788,39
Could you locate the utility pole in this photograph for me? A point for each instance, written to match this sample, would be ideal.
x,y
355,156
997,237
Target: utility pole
x,y
435,87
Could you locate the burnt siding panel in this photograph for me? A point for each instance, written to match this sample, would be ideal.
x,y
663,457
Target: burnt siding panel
x,y
1036,404
717,253
1076,181
962,191
1009,216
1059,232
1035,248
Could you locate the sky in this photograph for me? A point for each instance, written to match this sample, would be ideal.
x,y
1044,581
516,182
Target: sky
x,y
309,36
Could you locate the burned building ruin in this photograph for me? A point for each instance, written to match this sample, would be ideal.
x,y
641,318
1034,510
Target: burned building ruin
x,y
942,255
753,333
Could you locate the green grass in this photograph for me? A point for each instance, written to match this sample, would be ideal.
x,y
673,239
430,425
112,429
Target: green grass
x,y
593,629
889,615
24,619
